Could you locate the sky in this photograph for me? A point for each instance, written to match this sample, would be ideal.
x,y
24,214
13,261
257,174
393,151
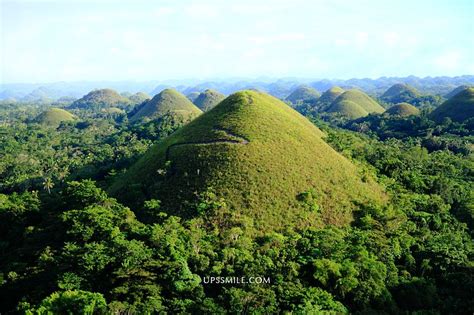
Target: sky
x,y
82,40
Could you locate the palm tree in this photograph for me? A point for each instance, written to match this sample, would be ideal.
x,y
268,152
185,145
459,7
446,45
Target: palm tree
x,y
48,184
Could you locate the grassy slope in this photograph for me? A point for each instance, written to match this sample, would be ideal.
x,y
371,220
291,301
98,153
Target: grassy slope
x,y
285,156
167,101
354,104
398,93
54,116
456,91
459,107
303,94
208,99
403,109
330,95
100,99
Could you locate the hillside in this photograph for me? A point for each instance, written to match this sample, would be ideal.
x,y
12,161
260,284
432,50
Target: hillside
x,y
139,97
354,104
259,155
192,96
457,90
99,99
330,95
167,101
402,109
303,94
400,93
459,107
208,99
53,117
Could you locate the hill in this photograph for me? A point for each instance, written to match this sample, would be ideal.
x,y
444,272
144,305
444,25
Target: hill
x,y
258,154
400,93
354,104
168,101
303,94
402,109
330,95
193,96
457,90
459,107
208,99
53,117
139,97
99,99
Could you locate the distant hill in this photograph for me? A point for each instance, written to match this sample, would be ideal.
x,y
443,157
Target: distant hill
x,y
208,99
262,157
457,90
354,104
400,93
459,108
53,117
193,96
139,97
303,94
403,110
99,99
167,101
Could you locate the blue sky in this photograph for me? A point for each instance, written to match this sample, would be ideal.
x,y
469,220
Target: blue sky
x,y
47,41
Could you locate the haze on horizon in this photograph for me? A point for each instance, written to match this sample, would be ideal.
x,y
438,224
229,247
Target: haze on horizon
x,y
49,41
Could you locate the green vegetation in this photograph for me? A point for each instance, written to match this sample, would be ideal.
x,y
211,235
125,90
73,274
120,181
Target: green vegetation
x,y
330,95
400,93
192,96
53,117
402,109
354,104
456,91
247,149
208,99
139,98
303,94
459,108
99,99
167,101
367,216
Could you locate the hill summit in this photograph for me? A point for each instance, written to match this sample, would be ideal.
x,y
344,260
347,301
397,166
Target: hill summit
x,y
168,101
354,104
456,91
99,99
53,117
303,94
459,108
399,93
262,157
403,110
208,99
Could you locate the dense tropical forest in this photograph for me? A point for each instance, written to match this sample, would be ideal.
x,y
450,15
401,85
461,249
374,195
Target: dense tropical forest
x,y
325,198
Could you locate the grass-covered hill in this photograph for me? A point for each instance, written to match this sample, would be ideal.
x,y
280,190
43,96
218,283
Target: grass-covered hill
x,y
53,117
193,96
330,95
139,97
303,94
99,99
459,108
403,110
208,99
168,101
457,90
354,104
266,160
400,93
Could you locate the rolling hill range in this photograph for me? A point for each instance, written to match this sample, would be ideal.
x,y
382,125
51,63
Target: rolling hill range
x,y
399,93
258,154
208,99
403,110
168,101
99,99
303,94
53,117
354,104
459,108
